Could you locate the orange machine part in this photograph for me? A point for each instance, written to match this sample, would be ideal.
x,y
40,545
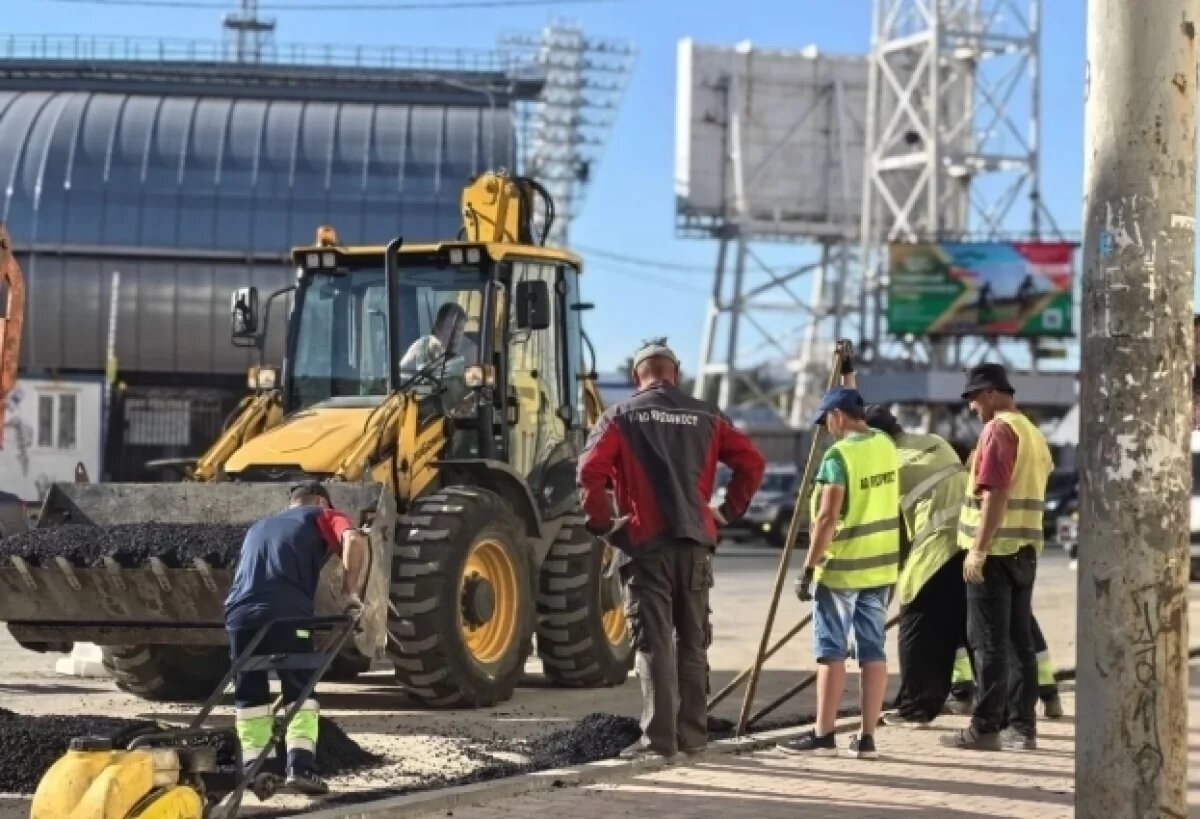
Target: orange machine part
x,y
12,315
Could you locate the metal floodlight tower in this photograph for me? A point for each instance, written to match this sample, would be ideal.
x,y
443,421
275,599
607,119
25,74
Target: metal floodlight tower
x,y
585,78
250,34
953,126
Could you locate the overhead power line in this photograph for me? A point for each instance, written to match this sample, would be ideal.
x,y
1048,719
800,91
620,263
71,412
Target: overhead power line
x,y
640,261
383,5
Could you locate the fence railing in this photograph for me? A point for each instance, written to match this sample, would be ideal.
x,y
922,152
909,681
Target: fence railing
x,y
81,48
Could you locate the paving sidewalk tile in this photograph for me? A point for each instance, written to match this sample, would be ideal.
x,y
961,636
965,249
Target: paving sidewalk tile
x,y
914,777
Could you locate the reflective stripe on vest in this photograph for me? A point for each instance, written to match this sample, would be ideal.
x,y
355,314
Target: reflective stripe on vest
x,y
1022,522
865,551
933,482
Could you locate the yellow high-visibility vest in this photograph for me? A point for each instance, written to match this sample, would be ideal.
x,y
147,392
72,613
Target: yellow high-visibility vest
x,y
865,552
1022,522
932,483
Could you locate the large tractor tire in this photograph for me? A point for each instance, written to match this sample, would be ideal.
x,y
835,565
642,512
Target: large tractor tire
x,y
582,637
165,672
462,599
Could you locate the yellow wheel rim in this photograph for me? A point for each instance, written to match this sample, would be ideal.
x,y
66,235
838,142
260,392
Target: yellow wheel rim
x,y
489,640
613,618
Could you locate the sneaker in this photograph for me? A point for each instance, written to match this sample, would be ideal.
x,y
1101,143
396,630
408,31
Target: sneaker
x,y
1015,740
306,782
810,744
968,740
863,747
957,707
894,719
1052,708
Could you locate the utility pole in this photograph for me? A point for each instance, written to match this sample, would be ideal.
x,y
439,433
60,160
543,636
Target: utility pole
x,y
1139,223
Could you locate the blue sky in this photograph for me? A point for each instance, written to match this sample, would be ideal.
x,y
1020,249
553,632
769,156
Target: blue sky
x,y
630,206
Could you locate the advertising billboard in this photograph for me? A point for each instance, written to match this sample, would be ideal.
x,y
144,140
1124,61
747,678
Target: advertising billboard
x,y
980,288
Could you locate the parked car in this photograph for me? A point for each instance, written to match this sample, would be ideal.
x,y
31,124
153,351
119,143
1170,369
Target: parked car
x,y
770,511
14,517
1062,497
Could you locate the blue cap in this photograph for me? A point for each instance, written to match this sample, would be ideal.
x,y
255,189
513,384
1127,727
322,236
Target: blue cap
x,y
839,398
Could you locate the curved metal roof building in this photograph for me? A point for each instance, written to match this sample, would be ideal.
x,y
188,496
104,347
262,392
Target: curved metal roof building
x,y
87,168
194,179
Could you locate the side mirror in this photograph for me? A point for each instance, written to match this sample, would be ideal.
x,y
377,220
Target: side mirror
x,y
533,305
243,313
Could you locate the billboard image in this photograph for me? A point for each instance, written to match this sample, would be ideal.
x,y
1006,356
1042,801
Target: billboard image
x,y
980,288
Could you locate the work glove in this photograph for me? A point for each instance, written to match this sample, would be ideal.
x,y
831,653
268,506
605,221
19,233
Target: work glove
x,y
354,604
804,586
973,566
718,516
614,526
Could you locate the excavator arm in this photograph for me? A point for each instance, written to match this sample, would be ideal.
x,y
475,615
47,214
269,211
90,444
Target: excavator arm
x,y
253,416
12,316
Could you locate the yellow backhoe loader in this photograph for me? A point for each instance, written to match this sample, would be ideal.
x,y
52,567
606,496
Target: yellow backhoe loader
x,y
454,442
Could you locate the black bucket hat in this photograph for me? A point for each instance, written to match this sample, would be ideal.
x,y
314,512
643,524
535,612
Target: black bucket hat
x,y
987,376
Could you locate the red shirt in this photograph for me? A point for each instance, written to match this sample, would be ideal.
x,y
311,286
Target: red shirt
x,y
996,456
333,524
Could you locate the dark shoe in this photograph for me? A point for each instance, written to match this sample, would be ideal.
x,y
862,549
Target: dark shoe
x,y
809,744
640,750
957,707
1052,708
894,719
1013,739
697,751
968,740
306,782
863,747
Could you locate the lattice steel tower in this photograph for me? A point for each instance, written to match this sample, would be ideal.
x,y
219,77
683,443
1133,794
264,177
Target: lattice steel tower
x,y
953,132
585,78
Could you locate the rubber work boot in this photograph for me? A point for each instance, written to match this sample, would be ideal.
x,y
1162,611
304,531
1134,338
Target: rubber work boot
x,y
306,782
968,740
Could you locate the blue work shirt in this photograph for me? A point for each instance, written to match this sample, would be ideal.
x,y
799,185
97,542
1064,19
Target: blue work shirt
x,y
280,565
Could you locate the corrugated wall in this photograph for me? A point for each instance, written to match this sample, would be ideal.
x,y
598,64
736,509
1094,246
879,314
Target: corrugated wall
x,y
82,170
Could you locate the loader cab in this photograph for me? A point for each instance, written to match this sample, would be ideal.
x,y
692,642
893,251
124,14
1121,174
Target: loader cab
x,y
488,335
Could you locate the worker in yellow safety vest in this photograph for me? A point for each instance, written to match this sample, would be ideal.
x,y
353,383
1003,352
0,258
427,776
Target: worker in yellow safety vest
x,y
1000,529
930,588
853,558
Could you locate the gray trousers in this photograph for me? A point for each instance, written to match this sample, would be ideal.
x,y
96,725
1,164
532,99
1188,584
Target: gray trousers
x,y
666,603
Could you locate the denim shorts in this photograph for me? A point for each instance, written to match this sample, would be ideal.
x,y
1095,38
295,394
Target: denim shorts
x,y
836,611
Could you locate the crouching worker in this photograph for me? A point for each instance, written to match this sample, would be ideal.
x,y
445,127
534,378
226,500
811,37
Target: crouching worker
x,y
277,577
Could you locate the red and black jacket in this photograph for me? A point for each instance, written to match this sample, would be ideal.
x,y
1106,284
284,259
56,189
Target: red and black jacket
x,y
660,451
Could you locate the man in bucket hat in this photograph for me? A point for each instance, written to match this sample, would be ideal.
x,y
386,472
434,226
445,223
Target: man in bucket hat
x,y
1000,528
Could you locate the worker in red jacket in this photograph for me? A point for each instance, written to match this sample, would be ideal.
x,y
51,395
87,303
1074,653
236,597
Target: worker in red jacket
x,y
660,450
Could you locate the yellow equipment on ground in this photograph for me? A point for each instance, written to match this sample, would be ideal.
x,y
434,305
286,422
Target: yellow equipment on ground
x,y
441,393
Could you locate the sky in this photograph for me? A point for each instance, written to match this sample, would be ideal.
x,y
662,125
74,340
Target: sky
x,y
630,206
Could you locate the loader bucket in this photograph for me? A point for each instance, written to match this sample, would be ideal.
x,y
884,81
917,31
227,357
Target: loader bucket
x,y
132,564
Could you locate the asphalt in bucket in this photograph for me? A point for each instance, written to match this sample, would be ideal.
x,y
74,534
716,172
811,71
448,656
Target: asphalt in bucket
x,y
131,545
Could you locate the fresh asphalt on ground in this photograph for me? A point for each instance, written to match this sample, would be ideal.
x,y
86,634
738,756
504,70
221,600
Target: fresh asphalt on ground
x,y
422,743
